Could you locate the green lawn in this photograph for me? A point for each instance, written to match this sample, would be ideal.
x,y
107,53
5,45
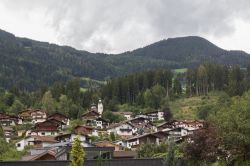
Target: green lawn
x,y
182,70
93,80
186,108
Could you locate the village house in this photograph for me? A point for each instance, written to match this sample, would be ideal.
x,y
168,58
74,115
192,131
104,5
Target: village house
x,y
166,126
35,141
189,124
143,128
86,130
163,136
47,155
99,123
134,142
8,120
59,117
122,129
178,133
155,115
62,151
38,116
90,115
47,128
116,147
139,120
25,117
94,119
8,133
124,155
32,116
70,137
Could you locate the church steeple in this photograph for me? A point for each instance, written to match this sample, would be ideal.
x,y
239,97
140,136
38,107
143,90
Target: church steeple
x,y
100,107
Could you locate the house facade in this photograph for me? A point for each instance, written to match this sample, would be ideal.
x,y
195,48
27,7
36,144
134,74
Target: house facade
x,y
122,129
70,137
8,120
134,142
155,115
35,141
90,115
46,128
32,116
60,117
86,130
8,133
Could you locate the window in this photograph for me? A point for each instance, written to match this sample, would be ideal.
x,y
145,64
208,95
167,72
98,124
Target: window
x,y
43,133
18,145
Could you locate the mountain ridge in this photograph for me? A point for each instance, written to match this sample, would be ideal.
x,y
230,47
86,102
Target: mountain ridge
x,y
29,64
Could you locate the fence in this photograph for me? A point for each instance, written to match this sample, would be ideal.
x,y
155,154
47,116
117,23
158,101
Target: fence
x,y
120,162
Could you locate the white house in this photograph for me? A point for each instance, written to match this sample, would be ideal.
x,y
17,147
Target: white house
x,y
98,122
38,116
36,141
8,133
189,124
32,116
86,130
50,127
8,120
60,117
155,115
122,129
137,140
71,137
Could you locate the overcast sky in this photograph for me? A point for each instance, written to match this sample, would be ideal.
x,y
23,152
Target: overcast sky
x,y
114,26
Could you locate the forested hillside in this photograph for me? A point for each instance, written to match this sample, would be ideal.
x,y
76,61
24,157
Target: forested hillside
x,y
28,64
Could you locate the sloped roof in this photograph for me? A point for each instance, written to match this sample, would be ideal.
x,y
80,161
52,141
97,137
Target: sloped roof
x,y
105,144
118,124
92,113
125,154
141,136
45,138
38,156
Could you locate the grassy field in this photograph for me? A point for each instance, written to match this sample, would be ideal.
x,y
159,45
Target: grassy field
x,y
182,70
187,108
83,89
92,80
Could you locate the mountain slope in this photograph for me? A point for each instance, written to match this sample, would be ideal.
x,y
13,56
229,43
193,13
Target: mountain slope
x,y
28,64
189,51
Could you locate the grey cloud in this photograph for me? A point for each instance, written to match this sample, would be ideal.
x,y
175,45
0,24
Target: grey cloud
x,y
116,26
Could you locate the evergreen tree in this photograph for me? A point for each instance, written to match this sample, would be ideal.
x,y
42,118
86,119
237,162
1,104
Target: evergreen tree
x,y
16,107
1,132
73,90
48,102
177,87
64,105
170,159
77,153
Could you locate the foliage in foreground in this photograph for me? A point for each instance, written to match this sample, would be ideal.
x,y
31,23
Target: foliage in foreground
x,y
8,151
77,153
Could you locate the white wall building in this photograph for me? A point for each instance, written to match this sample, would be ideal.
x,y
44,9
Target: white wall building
x,y
100,107
37,141
123,129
